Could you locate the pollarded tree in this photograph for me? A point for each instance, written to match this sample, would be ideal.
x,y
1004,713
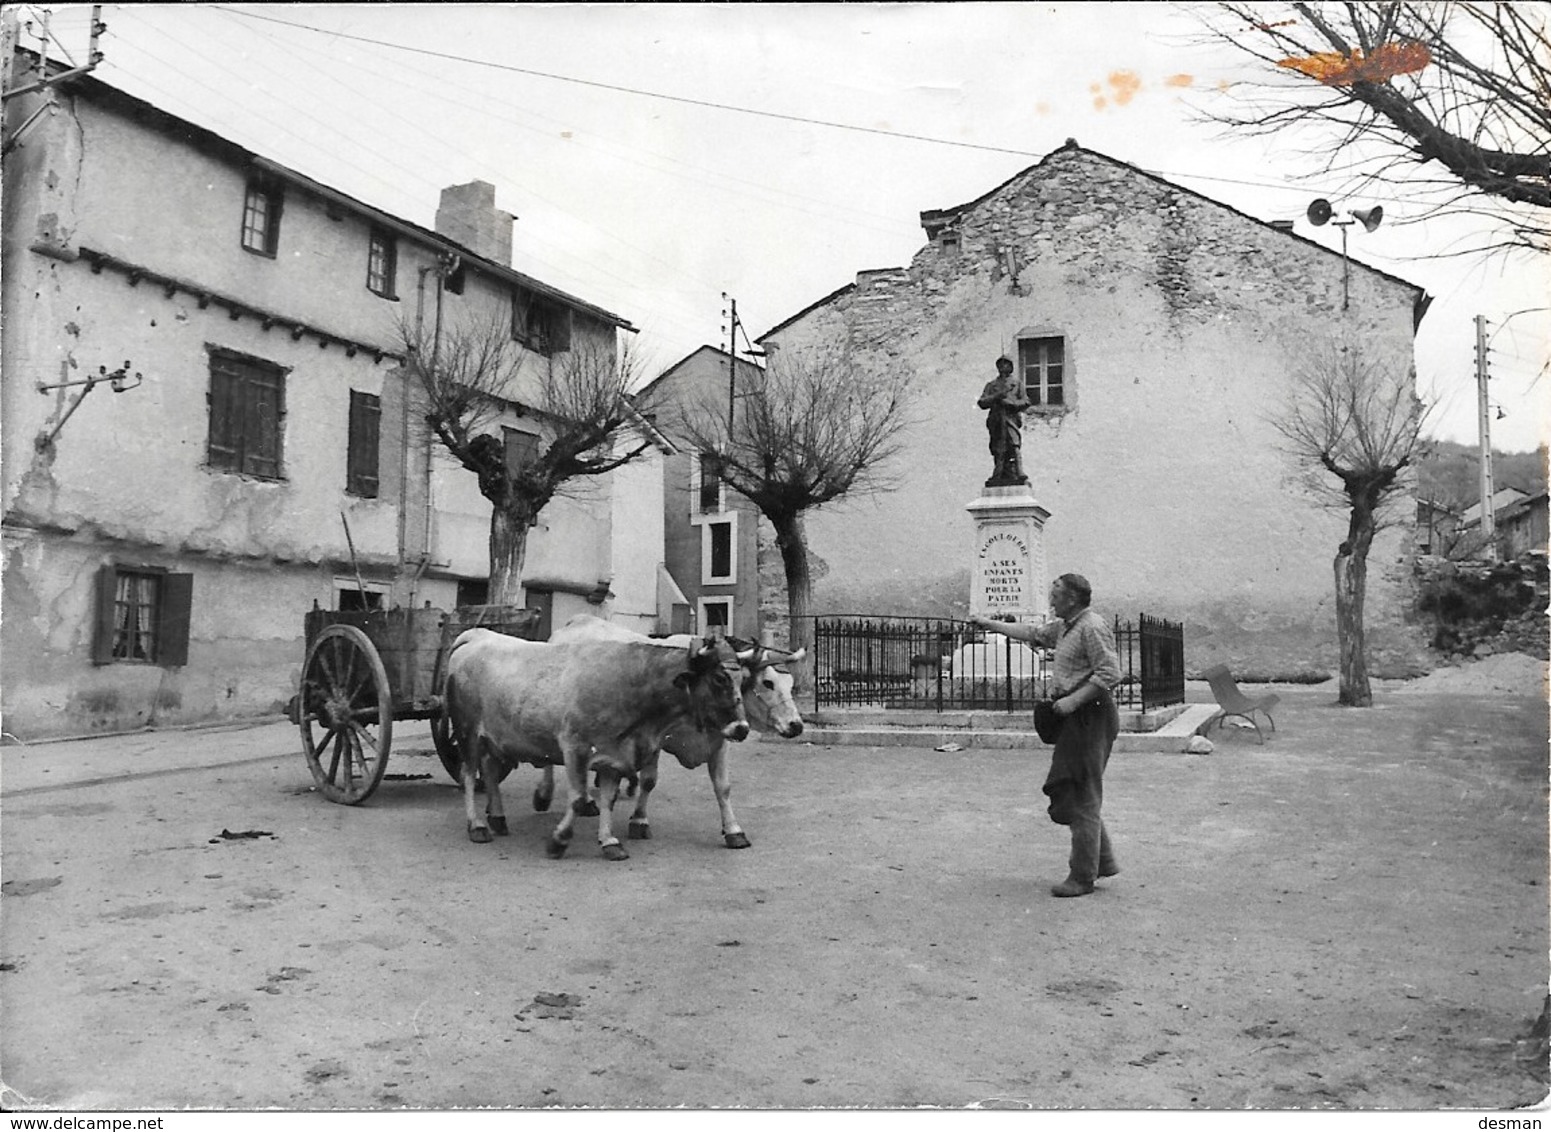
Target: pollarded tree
x,y
1447,105
472,373
1353,427
809,430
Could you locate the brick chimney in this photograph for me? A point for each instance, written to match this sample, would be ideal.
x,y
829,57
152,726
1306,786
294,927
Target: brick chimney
x,y
468,214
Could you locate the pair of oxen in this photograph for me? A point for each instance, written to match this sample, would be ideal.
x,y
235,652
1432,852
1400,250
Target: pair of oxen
x,y
602,702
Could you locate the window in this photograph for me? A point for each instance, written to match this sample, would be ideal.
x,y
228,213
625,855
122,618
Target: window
x,y
709,496
718,551
1042,361
261,218
382,258
715,616
453,280
541,324
522,448
473,591
348,594
949,243
361,457
247,412
142,616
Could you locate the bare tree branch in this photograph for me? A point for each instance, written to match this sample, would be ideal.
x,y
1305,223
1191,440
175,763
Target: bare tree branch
x,y
1431,94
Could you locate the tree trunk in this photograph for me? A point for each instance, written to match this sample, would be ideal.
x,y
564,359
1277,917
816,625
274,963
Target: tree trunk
x,y
1351,567
793,544
508,551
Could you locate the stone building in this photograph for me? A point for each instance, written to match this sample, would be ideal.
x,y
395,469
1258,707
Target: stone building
x,y
165,532
1157,332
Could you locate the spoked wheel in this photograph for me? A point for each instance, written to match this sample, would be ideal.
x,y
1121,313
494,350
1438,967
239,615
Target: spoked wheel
x,y
345,695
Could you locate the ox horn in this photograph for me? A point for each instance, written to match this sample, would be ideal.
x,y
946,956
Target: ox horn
x,y
746,655
798,655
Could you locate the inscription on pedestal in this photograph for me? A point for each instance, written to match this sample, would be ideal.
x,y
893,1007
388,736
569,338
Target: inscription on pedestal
x,y
1009,570
1004,571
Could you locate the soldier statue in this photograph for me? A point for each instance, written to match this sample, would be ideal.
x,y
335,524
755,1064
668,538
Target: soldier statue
x,y
1004,400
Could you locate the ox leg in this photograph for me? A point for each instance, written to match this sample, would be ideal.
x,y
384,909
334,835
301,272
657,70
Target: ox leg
x,y
607,794
479,831
640,825
721,785
493,805
545,792
576,781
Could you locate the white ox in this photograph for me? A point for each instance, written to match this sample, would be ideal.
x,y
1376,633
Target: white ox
x,y
590,706
767,697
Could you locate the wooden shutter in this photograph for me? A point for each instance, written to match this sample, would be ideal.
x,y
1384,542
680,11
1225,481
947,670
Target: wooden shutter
x,y
365,433
263,409
172,624
107,594
225,421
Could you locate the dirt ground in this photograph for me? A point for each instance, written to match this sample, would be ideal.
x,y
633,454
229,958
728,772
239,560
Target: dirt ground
x,y
1351,916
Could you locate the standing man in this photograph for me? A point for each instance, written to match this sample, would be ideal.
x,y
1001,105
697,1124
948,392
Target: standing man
x,y
1083,671
1004,400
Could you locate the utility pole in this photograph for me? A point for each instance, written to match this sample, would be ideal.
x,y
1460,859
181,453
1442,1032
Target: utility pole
x,y
732,360
1483,405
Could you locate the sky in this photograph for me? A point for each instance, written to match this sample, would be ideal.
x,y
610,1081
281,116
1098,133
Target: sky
x,y
661,157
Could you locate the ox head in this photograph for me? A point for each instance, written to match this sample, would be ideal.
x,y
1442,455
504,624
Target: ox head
x,y
714,683
767,690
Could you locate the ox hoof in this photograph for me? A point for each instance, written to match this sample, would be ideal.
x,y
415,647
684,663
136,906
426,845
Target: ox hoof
x,y
614,851
478,834
555,848
640,830
586,808
540,801
498,826
739,840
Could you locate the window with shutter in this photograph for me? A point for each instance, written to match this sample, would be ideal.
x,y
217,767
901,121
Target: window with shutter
x,y
522,448
365,431
247,415
142,616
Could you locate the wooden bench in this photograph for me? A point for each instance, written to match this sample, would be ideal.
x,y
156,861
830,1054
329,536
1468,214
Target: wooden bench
x,y
1233,702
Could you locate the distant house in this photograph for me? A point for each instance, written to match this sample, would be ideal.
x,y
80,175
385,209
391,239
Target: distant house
x,y
1156,331
1518,519
1437,525
163,543
711,533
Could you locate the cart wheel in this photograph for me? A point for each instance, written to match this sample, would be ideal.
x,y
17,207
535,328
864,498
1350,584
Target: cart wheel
x,y
452,758
344,691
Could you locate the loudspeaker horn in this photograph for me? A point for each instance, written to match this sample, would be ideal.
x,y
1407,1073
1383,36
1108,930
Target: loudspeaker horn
x,y
1319,211
1369,218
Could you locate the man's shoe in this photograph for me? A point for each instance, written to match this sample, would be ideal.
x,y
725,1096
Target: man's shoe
x,y
1070,887
1109,871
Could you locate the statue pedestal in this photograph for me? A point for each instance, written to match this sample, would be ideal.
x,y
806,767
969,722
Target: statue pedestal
x,y
1009,571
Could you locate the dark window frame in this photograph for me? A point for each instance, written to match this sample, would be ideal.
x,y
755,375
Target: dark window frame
x,y
709,496
382,257
261,236
246,428
167,596
541,324
364,446
1046,373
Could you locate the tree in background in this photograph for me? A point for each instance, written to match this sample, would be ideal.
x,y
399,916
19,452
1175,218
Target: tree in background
x,y
1353,428
472,373
1448,105
810,430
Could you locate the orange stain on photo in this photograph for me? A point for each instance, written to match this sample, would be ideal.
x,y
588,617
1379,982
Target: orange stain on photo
x,y
1125,85
1179,80
1385,62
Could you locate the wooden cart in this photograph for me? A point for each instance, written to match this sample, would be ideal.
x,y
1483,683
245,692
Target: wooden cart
x,y
364,669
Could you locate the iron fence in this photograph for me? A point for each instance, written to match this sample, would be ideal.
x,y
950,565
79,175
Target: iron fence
x,y
1152,663
941,664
